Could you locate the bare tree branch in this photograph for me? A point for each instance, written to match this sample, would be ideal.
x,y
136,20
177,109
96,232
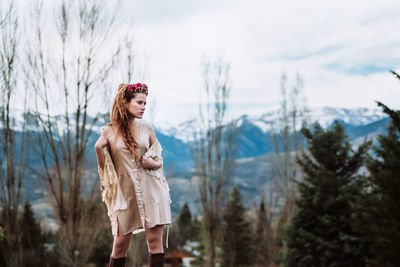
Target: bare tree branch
x,y
213,151
288,142
68,80
12,170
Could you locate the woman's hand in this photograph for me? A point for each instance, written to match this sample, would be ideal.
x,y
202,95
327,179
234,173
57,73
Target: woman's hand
x,y
150,163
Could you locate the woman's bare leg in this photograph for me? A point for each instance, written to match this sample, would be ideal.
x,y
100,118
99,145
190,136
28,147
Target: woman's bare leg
x,y
121,243
154,239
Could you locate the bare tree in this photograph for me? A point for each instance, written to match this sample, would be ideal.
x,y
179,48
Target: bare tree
x,y
12,159
213,152
69,68
288,143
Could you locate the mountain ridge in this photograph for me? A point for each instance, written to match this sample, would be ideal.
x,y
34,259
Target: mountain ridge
x,y
254,145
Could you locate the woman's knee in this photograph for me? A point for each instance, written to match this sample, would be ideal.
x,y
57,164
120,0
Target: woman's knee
x,y
153,239
121,246
154,242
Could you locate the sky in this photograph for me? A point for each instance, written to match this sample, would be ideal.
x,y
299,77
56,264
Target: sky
x,y
343,50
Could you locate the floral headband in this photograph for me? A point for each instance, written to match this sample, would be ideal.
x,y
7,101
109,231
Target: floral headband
x,y
138,87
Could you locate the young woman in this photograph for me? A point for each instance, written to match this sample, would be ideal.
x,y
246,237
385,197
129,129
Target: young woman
x,y
133,184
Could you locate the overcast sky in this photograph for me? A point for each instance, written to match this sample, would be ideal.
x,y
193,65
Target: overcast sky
x,y
343,50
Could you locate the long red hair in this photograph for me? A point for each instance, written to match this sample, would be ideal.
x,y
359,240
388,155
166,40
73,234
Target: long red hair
x,y
122,118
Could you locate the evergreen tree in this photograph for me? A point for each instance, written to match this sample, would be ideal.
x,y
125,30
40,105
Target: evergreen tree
x,y
263,237
322,232
184,225
198,237
279,243
381,208
32,238
237,249
196,228
101,250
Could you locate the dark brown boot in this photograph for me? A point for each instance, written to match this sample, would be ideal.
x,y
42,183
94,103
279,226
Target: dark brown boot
x,y
156,260
119,262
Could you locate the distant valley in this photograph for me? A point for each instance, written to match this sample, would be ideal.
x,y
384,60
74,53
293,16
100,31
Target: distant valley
x,y
251,171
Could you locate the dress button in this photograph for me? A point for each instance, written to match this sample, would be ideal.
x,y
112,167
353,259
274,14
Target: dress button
x,y
133,160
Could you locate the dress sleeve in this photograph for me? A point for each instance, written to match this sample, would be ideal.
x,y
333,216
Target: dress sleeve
x,y
109,187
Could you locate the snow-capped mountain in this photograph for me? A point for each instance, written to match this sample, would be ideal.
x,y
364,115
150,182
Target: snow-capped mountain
x,y
356,117
184,130
253,139
19,116
324,115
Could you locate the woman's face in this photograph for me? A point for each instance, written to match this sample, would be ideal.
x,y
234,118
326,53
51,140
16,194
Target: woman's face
x,y
137,105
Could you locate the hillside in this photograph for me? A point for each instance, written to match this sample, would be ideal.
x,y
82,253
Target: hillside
x,y
251,170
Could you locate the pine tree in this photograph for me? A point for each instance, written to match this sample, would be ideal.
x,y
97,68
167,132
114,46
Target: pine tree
x,y
322,232
32,238
100,251
196,228
381,209
198,237
185,225
237,249
263,237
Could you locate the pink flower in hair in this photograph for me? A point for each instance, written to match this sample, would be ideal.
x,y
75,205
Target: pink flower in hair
x,y
138,87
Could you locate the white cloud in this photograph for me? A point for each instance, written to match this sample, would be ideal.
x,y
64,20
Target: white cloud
x,y
339,47
325,42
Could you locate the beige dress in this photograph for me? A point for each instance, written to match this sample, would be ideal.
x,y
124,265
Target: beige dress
x,y
137,197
